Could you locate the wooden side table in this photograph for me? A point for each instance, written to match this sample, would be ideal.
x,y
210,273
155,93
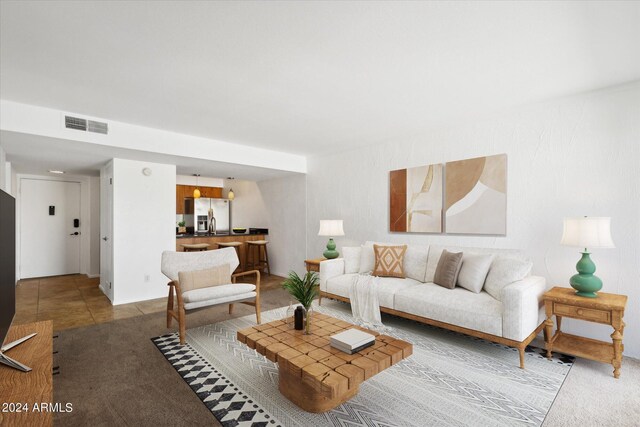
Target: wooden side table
x,y
314,264
607,309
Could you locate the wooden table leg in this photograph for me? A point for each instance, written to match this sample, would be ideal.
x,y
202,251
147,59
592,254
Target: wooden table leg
x,y
616,336
548,328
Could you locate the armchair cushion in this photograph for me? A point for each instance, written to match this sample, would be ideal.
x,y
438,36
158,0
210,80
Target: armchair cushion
x,y
218,301
217,292
190,280
175,262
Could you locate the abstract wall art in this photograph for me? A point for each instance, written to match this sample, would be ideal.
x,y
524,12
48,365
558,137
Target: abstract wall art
x,y
415,199
476,196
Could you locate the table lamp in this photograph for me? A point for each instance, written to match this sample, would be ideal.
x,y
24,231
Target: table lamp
x,y
331,228
587,232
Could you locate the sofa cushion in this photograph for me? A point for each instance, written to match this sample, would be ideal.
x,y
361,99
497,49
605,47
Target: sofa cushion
x,y
389,261
351,257
387,286
415,260
503,272
448,269
367,259
480,312
474,271
217,292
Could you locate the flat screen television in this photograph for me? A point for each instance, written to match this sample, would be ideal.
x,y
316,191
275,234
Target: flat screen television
x,y
7,262
8,278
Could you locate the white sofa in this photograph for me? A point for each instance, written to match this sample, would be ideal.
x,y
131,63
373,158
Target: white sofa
x,y
510,313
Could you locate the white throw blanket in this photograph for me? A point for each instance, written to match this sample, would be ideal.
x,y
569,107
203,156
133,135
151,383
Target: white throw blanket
x,y
365,307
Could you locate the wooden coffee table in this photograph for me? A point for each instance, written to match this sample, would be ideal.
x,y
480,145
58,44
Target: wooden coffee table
x,y
314,375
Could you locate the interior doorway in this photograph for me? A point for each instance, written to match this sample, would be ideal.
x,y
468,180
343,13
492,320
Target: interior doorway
x,y
50,228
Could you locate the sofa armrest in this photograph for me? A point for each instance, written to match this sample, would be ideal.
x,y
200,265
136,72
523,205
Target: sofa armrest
x,y
330,268
521,302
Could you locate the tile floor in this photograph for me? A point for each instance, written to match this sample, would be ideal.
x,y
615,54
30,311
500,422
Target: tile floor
x,y
76,300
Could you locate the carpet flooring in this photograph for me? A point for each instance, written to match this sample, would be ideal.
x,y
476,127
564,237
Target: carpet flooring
x,y
465,380
113,374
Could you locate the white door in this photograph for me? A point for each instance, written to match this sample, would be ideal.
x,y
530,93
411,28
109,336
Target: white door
x,y
49,232
106,230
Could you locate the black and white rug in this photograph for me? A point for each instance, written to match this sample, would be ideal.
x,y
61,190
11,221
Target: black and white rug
x,y
450,380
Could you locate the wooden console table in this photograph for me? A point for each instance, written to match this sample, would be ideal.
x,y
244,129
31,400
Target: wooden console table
x,y
607,309
28,388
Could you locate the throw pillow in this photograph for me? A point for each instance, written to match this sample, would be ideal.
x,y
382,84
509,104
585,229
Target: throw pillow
x,y
474,271
190,280
503,272
415,262
367,259
448,269
389,261
351,259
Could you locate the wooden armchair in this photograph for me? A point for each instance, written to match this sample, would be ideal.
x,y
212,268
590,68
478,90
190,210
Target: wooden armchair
x,y
173,263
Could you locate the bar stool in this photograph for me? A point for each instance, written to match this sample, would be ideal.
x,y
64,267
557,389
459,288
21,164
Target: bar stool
x,y
254,255
194,247
236,246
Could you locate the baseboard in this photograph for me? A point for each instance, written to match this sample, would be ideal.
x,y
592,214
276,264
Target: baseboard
x,y
93,276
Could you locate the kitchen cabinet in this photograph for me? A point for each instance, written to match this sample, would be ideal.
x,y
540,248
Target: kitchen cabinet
x,y
183,191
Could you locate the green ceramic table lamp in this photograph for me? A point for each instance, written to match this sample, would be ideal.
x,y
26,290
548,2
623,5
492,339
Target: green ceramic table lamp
x,y
587,232
331,228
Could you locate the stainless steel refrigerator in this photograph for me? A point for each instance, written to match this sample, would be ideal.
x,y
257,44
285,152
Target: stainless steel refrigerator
x,y
212,216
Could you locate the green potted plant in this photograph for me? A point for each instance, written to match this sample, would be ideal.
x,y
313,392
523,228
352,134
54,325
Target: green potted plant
x,y
304,290
181,227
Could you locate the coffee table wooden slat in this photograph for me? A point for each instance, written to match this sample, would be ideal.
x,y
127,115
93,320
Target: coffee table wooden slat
x,y
314,375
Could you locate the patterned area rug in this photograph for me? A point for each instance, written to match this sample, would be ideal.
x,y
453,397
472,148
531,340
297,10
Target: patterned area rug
x,y
450,380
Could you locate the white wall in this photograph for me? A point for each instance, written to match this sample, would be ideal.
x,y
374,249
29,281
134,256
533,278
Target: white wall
x,y
570,157
285,214
94,227
7,174
31,119
4,185
143,227
248,209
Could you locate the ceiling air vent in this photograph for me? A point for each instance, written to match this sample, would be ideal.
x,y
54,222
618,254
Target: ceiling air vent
x,y
98,127
75,123
85,125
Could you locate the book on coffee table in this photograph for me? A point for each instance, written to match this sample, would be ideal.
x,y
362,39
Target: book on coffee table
x,y
352,340
349,350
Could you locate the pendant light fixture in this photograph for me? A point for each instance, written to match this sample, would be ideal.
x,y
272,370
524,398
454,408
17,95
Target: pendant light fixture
x,y
231,195
196,192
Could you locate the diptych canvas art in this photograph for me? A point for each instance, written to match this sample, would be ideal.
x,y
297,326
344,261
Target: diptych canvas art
x,y
476,195
416,199
472,194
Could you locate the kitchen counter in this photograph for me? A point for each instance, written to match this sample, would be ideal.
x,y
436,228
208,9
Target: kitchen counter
x,y
213,240
186,235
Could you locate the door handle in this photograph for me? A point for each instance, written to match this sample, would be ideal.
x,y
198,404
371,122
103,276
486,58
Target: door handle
x,y
74,234
105,238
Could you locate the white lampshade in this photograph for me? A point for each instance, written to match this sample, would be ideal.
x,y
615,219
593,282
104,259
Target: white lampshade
x,y
587,232
331,228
